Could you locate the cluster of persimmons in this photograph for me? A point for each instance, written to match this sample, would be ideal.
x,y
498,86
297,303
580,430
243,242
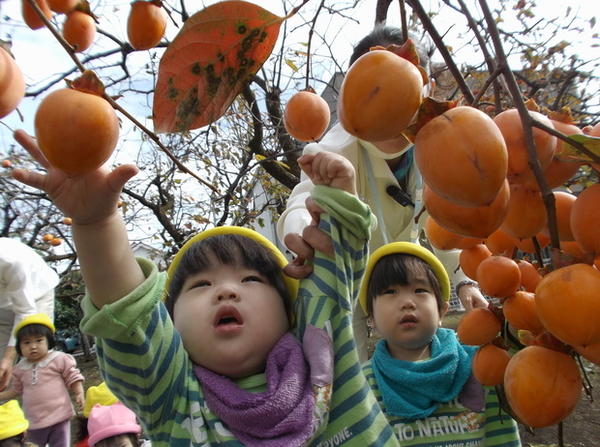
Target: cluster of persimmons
x,y
77,128
482,197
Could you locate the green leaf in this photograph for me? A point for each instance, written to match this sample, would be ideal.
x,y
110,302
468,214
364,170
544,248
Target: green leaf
x,y
291,64
592,144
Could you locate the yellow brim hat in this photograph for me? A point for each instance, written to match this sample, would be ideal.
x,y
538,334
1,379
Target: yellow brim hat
x,y
12,420
40,318
291,283
99,394
410,249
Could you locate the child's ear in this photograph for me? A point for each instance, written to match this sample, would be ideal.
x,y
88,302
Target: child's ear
x,y
443,309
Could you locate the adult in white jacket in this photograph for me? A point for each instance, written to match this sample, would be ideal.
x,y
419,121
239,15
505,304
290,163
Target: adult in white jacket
x,y
26,287
388,180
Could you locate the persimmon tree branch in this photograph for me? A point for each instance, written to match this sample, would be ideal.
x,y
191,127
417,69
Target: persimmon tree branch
x,y
439,43
403,20
527,123
68,48
489,60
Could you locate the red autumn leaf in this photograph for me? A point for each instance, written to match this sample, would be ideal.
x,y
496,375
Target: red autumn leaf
x,y
209,62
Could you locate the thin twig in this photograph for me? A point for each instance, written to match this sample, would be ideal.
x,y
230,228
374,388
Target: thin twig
x,y
68,48
155,138
537,251
439,43
403,20
310,35
491,78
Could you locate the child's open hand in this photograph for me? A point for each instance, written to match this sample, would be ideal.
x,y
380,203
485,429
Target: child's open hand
x,y
87,199
329,168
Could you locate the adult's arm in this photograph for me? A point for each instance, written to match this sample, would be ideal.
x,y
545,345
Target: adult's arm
x,y
6,366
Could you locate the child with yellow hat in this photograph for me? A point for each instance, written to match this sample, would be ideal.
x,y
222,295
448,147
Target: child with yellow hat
x,y
419,372
13,425
44,377
224,362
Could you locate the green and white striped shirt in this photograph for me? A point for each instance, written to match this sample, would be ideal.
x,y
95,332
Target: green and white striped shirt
x,y
143,361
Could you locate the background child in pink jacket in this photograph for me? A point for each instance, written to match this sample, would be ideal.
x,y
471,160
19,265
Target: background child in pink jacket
x,y
44,377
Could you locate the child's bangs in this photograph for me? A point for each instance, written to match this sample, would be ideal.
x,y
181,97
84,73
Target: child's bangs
x,y
227,249
233,250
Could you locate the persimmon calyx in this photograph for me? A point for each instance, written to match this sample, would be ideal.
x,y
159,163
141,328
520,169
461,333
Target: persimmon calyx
x,y
428,110
88,82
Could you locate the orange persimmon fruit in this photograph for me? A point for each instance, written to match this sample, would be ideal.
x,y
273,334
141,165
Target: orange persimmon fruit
x,y
379,96
519,310
306,116
12,84
509,123
501,243
489,364
526,214
478,327
471,168
585,219
542,386
79,30
31,17
439,237
563,203
530,276
62,6
470,258
469,221
76,131
146,24
568,304
498,276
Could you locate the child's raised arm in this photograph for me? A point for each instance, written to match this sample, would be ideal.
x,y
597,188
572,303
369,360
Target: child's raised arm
x,y
108,265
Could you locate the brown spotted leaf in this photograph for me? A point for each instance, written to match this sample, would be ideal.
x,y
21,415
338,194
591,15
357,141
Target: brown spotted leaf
x,y
209,62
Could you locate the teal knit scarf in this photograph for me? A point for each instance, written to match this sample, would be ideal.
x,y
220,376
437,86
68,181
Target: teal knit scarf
x,y
414,390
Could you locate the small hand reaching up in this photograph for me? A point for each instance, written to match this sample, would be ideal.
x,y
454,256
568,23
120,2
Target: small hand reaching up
x,y
87,199
323,168
108,265
330,169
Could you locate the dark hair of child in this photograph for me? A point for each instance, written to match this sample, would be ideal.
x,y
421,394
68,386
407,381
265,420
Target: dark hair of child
x,y
385,36
228,249
112,442
13,441
80,429
34,330
399,269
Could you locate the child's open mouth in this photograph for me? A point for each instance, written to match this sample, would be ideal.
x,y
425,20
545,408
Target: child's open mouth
x,y
228,320
409,320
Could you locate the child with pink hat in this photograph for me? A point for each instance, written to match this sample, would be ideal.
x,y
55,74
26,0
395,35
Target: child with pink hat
x,y
113,425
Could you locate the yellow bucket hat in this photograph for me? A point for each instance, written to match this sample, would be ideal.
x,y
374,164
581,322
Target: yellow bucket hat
x,y
291,283
99,394
40,318
410,249
12,420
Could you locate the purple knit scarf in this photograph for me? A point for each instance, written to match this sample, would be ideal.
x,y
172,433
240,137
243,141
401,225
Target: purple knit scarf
x,y
281,416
